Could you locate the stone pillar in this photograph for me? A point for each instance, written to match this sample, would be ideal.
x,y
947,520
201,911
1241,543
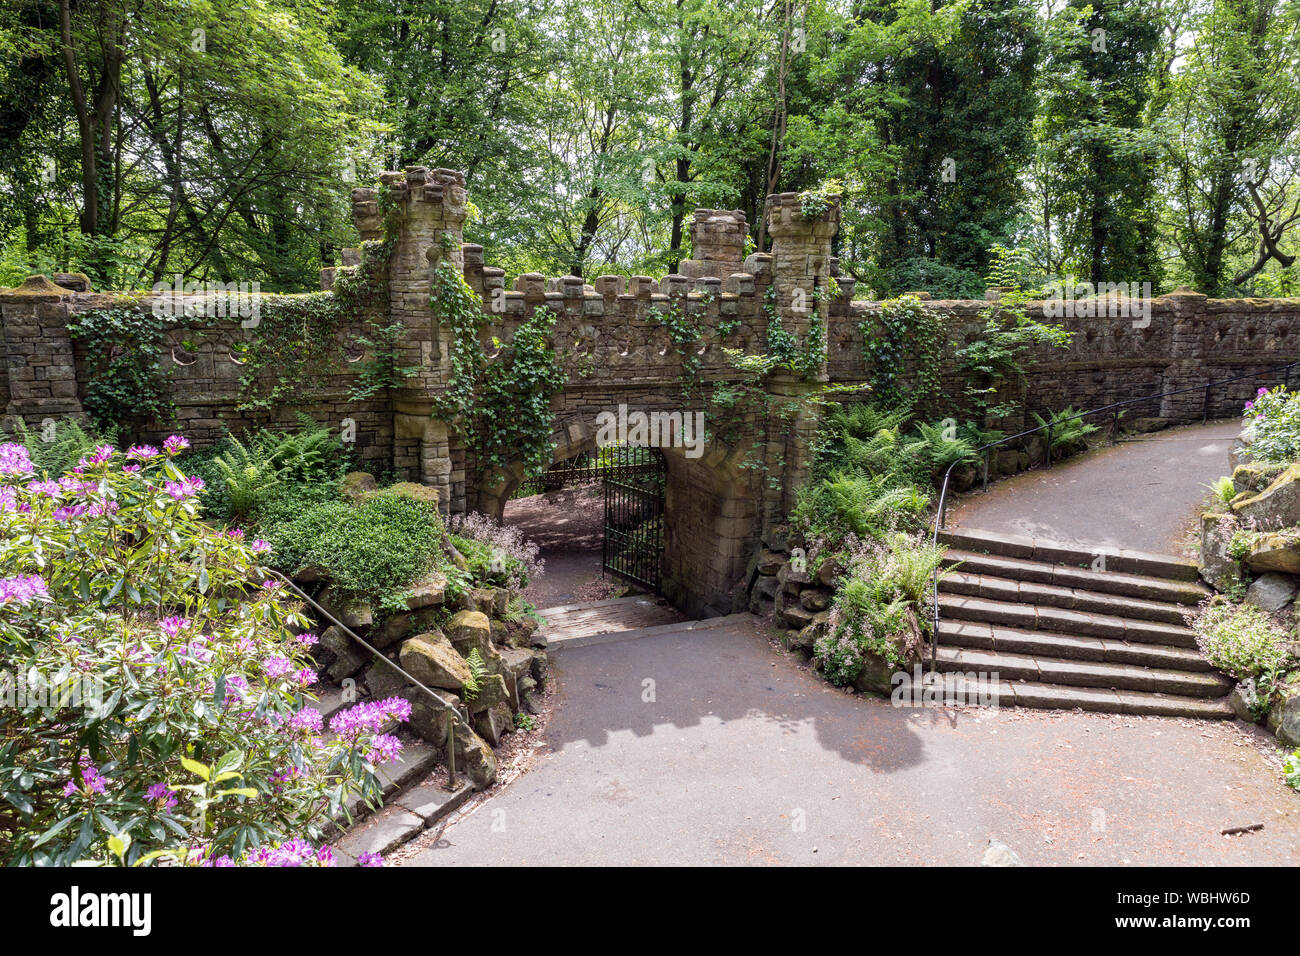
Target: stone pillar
x,y
420,213
718,242
1187,368
803,289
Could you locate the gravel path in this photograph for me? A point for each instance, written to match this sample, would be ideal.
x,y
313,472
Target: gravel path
x,y
1144,494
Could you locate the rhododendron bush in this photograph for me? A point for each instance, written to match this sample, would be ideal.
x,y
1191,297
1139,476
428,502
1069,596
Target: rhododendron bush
x,y
155,699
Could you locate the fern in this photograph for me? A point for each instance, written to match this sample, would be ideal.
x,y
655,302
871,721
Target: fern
x,y
1223,489
1066,427
54,452
478,671
250,476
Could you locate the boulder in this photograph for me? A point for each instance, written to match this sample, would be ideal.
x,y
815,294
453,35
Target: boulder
x,y
998,853
472,629
1144,426
796,616
492,689
479,599
816,599
1218,569
1272,591
428,720
1245,701
1277,506
1252,478
1274,552
1284,715
433,661
474,758
382,681
345,655
516,662
791,579
494,723
769,562
776,538
426,592
356,486
877,673
829,570
353,613
802,639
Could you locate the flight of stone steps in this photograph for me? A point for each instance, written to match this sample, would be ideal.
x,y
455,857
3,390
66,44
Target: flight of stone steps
x,y
1061,632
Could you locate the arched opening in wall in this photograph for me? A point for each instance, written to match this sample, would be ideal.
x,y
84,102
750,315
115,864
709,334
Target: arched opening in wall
x,y
597,518
707,529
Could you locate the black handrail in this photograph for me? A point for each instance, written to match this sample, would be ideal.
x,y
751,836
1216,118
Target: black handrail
x,y
1114,409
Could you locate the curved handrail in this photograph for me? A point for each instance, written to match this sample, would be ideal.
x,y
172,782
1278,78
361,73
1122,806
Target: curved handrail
x,y
1114,408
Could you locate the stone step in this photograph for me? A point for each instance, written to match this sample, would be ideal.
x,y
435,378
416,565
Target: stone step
x,y
1145,563
1081,673
954,689
1057,697
1062,575
1048,644
1054,595
1063,620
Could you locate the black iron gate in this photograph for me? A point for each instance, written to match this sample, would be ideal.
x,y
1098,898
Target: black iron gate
x,y
634,480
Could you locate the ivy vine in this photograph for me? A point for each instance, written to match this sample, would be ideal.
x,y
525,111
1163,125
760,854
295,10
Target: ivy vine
x,y
502,408
904,327
127,379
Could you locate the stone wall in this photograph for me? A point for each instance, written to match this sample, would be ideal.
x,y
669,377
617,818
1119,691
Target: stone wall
x,y
615,349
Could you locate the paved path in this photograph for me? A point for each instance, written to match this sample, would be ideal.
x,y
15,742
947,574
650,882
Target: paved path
x,y
745,758
1144,494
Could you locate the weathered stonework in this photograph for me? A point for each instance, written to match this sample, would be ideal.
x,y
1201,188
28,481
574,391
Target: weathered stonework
x,y
614,350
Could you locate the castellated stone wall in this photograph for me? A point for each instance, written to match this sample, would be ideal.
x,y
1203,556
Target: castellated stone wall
x,y
612,342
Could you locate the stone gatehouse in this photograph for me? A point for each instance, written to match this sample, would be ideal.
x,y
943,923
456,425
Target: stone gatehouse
x,y
615,349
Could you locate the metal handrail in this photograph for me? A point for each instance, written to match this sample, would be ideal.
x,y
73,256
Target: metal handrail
x,y
438,699
1114,409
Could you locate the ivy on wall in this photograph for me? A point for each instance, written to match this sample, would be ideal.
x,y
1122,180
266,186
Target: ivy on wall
x,y
904,327
127,378
500,408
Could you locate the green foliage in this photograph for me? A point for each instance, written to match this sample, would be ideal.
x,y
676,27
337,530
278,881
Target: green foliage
x,y
168,709
1291,769
127,380
1067,429
246,475
1223,489
1242,640
525,722
502,408
372,551
1272,423
478,672
995,359
879,605
906,330
55,447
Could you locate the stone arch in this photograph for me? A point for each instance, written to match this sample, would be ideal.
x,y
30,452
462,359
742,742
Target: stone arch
x,y
712,515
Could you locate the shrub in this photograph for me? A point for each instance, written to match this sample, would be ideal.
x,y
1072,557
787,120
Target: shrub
x,y
885,587
497,554
372,551
1222,489
164,710
1272,422
1068,430
56,447
1242,640
268,464
1291,769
